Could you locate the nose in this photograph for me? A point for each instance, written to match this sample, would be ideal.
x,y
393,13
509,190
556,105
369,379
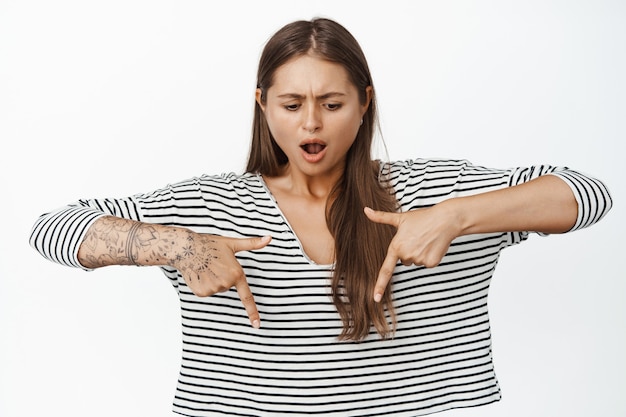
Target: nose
x,y
312,120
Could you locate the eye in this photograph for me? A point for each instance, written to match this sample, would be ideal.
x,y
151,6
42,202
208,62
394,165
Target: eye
x,y
333,106
291,107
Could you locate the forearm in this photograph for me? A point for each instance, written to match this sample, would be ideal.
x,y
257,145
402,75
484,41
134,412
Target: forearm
x,y
545,204
116,241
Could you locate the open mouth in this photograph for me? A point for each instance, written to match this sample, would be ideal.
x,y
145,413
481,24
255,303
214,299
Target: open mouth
x,y
313,148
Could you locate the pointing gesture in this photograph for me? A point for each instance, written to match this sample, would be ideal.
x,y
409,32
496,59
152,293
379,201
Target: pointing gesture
x,y
206,262
209,266
422,238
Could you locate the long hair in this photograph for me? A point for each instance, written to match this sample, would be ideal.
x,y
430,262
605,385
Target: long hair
x,y
360,245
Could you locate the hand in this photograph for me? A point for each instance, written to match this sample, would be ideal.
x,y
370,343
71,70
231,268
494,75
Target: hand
x,y
209,266
422,238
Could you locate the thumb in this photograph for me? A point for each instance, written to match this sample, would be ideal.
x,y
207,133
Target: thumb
x,y
250,243
384,217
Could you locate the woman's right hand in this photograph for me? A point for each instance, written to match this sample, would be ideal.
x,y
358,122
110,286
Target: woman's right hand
x,y
208,265
206,262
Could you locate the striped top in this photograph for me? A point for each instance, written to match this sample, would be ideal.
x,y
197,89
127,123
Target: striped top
x,y
440,357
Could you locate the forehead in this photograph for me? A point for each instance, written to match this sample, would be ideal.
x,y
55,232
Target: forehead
x,y
309,73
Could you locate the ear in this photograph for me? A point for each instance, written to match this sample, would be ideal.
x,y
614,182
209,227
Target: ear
x,y
369,92
257,97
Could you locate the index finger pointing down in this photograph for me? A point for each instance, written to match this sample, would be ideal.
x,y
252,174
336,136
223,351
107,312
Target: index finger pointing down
x,y
384,276
246,297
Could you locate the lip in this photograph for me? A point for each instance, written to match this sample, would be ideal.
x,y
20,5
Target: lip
x,y
312,157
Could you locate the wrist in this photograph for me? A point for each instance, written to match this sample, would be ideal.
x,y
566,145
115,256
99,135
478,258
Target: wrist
x,y
177,244
457,216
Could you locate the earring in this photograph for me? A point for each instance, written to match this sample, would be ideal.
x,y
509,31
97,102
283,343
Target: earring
x,y
361,124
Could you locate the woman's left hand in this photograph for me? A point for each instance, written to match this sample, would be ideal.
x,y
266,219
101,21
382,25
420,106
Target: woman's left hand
x,y
422,238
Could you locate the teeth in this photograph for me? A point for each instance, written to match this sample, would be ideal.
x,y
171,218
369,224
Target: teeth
x,y
313,148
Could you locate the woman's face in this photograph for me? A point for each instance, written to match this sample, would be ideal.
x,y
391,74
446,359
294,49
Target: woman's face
x,y
314,113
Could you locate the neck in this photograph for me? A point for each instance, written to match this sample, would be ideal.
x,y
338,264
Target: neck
x,y
299,184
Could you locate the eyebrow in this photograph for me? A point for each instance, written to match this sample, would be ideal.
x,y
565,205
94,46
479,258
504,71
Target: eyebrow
x,y
320,97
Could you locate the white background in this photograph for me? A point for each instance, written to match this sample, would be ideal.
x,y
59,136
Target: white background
x,y
110,98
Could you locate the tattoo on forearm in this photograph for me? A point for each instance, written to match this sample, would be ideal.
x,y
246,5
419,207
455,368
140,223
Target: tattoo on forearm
x,y
105,246
115,241
132,243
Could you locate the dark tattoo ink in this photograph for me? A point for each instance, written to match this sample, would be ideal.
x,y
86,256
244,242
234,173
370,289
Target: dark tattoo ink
x,y
105,245
132,242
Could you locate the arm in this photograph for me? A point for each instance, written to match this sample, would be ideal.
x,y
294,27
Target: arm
x,y
546,204
112,240
206,262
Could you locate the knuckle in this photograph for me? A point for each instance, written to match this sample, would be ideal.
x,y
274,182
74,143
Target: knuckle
x,y
204,287
235,273
203,292
431,262
247,298
395,246
386,270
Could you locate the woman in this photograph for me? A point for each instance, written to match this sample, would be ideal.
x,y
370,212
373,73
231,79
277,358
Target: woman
x,y
371,277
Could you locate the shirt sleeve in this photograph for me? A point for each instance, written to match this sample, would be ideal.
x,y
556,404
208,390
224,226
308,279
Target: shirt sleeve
x,y
57,235
420,183
592,195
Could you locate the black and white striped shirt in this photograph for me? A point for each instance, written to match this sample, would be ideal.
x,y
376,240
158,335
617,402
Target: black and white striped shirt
x,y
440,357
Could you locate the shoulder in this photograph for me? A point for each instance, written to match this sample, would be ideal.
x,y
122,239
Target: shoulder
x,y
403,170
429,181
226,185
232,179
226,181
